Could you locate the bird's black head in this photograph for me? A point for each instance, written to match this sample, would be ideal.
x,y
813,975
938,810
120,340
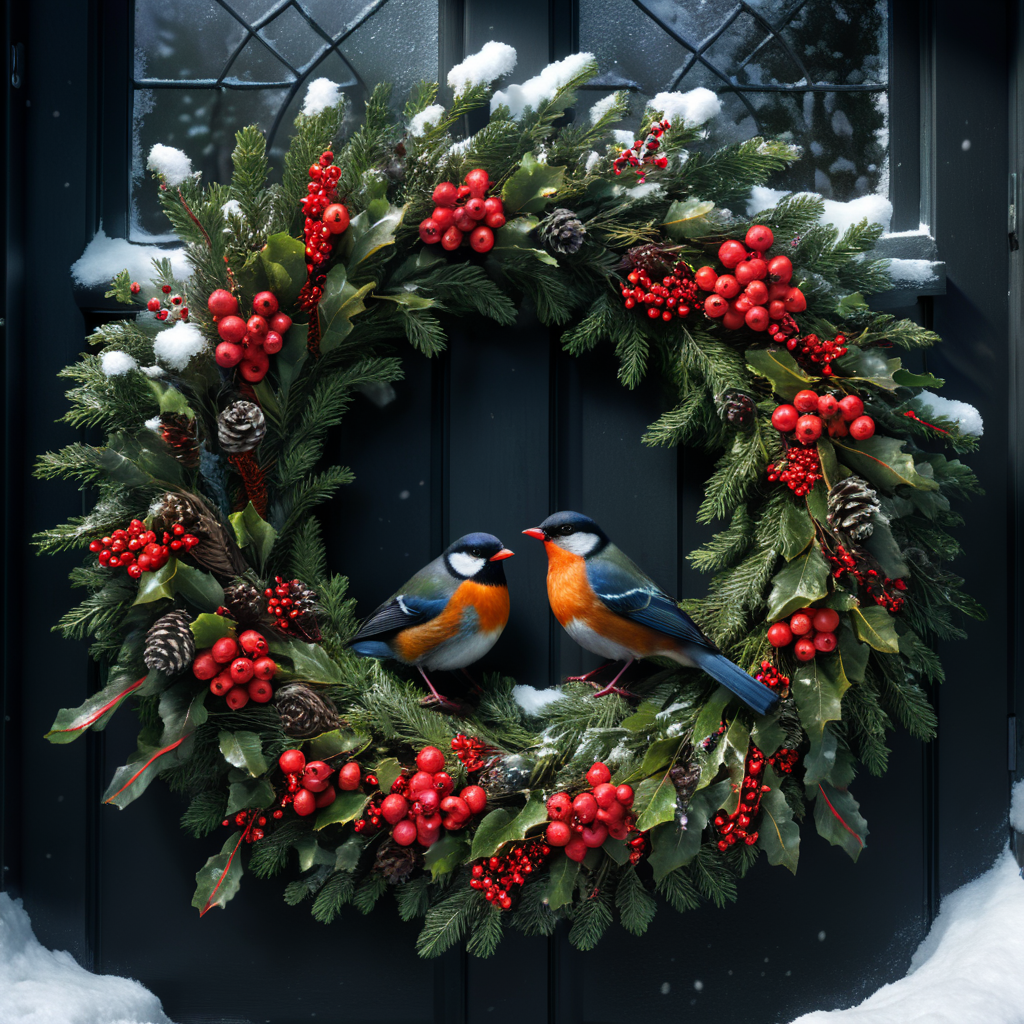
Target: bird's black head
x,y
477,557
571,531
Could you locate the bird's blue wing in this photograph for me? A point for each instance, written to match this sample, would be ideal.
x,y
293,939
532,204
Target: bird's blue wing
x,y
421,599
624,588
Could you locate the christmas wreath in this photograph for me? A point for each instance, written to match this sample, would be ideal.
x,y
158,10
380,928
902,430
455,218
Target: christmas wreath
x,y
208,599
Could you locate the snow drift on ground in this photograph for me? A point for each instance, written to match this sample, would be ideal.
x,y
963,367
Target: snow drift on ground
x,y
38,986
968,970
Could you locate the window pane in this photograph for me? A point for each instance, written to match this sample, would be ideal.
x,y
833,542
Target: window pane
x,y
815,71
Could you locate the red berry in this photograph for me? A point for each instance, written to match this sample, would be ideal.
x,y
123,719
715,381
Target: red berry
x,y
756,291
804,649
734,319
800,624
731,253
715,306
851,407
463,221
257,326
280,322
742,304
585,807
430,231
204,667
260,690
780,635
795,301
326,798
599,773
443,217
808,428
443,783
727,286
482,239
222,303
784,418
495,221
706,278
228,354
153,305
451,239
776,309
462,192
780,269
862,428
272,343
135,288
429,800
475,208
494,205
475,797
618,829
624,794
292,761
304,803
825,620
759,237
253,642
457,808
336,218
557,833
825,642
315,776
828,406
609,814
806,401
221,683
428,829
254,368
594,835
350,776
404,833
430,759
446,194
560,807
420,781
264,668
604,794
576,849
241,670
232,328
236,698
225,650
394,808
265,304
478,181
757,318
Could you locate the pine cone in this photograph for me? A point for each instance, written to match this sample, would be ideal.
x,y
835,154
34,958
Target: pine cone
x,y
739,409
396,863
170,645
241,427
179,434
562,231
216,550
652,259
246,603
851,505
304,711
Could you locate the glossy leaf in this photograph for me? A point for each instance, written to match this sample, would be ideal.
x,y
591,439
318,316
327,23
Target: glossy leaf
x,y
797,530
531,186
252,531
674,847
500,826
284,262
817,694
882,544
766,734
829,463
310,662
820,759
707,724
159,585
562,875
687,218
446,854
734,745
906,379
798,584
654,802
341,301
337,741
348,854
243,749
780,368
387,771
868,366
199,588
347,807
875,627
778,833
882,461
94,713
643,718
837,817
851,655
367,235
616,849
208,628
218,880
249,793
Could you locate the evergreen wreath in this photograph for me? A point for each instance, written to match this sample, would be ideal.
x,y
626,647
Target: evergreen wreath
x,y
208,599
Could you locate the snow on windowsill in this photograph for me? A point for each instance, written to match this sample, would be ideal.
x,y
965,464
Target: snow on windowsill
x,y
105,257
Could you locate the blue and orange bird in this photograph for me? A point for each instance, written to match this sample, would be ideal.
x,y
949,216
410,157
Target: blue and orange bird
x,y
448,615
610,607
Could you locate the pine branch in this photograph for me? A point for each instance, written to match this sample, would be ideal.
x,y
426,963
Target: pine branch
x,y
635,904
486,933
204,814
336,892
590,920
413,898
446,922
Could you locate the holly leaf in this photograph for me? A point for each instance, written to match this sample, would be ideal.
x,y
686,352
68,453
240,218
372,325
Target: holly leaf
x,y
820,759
707,724
780,368
687,218
243,749
817,694
347,806
293,355
341,300
369,232
562,876
445,855
514,235
852,655
208,628
868,366
654,802
312,854
248,793
387,771
252,531
829,463
797,530
643,718
850,304
500,826
837,818
875,627
531,186
906,379
310,662
817,504
778,833
798,584
198,588
337,741
97,711
767,735
734,746
882,544
218,880
674,846
882,461
159,585
284,262
347,855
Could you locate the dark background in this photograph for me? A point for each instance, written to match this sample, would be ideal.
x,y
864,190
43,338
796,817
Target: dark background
x,y
493,436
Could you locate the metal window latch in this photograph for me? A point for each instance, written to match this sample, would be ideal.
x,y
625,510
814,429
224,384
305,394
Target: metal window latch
x,y
17,62
1011,213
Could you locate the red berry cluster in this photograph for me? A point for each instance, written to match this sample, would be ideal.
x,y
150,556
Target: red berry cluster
x,y
710,742
252,822
811,413
496,875
817,354
238,670
419,806
800,471
462,210
325,218
309,785
773,679
784,760
282,605
736,826
248,342
473,753
757,291
812,629
137,549
881,589
584,823
643,152
674,296
173,307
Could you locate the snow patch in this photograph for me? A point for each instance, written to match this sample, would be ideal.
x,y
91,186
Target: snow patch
x,y
764,198
153,371
170,163
426,117
968,968
593,158
872,208
623,137
542,87
1017,807
534,701
601,107
176,346
44,987
491,61
321,94
154,424
692,108
963,414
105,257
232,206
114,363
913,271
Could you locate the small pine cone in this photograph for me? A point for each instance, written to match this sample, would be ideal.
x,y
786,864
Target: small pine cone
x,y
652,259
245,603
562,231
217,550
179,434
851,506
739,409
396,863
300,614
241,427
170,645
304,711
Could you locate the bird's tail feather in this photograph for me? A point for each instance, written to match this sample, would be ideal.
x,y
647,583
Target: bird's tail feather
x,y
372,649
754,694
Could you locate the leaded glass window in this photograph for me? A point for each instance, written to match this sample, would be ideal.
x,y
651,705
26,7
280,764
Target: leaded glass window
x,y
204,67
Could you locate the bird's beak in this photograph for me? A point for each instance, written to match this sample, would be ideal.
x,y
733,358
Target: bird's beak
x,y
502,554
535,531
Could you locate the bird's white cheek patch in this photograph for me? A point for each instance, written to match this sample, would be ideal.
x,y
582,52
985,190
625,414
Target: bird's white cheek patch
x,y
579,543
465,564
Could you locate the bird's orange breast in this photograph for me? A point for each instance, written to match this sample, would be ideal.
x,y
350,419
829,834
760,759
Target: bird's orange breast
x,y
490,603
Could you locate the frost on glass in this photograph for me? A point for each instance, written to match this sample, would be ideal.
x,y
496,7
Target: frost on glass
x,y
812,71
203,68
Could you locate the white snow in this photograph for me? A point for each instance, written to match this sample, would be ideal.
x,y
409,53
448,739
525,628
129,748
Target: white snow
x,y
114,363
1017,807
154,423
964,415
491,61
534,701
873,208
232,206
105,257
542,87
593,158
38,986
153,371
764,198
913,271
624,138
176,346
601,107
692,108
321,94
426,117
170,163
967,969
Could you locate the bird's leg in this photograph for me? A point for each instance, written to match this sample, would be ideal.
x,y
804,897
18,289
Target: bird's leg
x,y
472,682
585,678
442,701
612,688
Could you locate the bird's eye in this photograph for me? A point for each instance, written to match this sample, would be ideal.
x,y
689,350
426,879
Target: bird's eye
x,y
476,552
566,529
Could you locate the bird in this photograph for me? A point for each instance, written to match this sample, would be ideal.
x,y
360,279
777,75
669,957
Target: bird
x,y
448,615
610,607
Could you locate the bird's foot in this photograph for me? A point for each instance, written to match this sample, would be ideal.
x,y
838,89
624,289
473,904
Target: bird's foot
x,y
587,676
440,703
612,688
